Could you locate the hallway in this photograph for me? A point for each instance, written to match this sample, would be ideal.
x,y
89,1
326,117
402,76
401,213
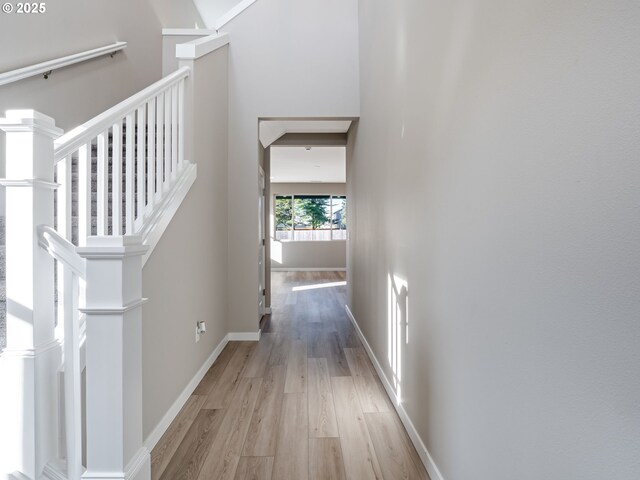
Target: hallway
x,y
303,402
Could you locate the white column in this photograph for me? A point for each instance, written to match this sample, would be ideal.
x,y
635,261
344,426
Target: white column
x,y
28,365
114,359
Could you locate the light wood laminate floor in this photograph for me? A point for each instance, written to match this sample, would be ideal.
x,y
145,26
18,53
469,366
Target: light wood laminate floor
x,y
303,403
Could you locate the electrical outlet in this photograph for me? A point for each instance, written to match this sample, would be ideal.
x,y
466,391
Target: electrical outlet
x,y
201,329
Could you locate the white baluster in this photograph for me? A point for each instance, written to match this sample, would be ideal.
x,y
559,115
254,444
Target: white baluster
x,y
116,180
141,156
102,186
64,228
167,139
160,145
129,175
174,132
151,160
180,124
72,381
84,193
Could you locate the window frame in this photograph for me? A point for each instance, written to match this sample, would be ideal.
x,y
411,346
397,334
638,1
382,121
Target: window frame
x,y
293,229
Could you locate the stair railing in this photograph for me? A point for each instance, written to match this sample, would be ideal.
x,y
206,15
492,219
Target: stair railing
x,y
147,131
130,162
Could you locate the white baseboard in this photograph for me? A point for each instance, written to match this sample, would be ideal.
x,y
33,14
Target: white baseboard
x,y
424,454
139,468
244,336
317,269
13,476
163,425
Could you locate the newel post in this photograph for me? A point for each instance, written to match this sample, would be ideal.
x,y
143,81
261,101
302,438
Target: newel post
x,y
28,365
113,309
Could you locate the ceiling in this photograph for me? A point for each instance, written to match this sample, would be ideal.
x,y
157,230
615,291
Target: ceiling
x,y
272,130
317,165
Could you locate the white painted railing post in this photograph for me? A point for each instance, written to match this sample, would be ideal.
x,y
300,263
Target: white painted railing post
x,y
28,365
114,359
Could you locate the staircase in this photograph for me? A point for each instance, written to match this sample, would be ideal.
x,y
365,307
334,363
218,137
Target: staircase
x,y
74,239
119,179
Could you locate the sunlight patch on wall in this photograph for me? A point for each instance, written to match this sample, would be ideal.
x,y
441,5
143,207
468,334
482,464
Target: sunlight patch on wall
x,y
397,327
276,251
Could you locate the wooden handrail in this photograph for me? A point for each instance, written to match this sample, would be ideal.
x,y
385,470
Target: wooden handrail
x,y
50,65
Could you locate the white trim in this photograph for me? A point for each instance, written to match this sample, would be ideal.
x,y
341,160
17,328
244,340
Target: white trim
x,y
30,352
139,467
61,249
424,454
29,182
114,311
29,121
112,247
163,213
244,336
55,470
44,67
200,47
155,436
310,269
187,32
233,13
15,476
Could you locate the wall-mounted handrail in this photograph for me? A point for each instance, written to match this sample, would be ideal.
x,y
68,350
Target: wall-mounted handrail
x,y
233,13
61,249
49,66
71,141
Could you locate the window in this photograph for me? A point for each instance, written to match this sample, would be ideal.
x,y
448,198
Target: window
x,y
311,217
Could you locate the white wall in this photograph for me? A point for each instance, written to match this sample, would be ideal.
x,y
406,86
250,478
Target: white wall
x,y
75,94
185,278
495,170
321,254
213,10
286,59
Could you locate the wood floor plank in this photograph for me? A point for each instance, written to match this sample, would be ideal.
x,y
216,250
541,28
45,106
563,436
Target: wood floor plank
x,y
372,397
292,453
322,414
226,449
262,435
315,344
347,334
360,460
325,459
223,388
259,431
393,447
334,353
296,380
170,441
254,468
214,373
279,351
187,462
260,356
